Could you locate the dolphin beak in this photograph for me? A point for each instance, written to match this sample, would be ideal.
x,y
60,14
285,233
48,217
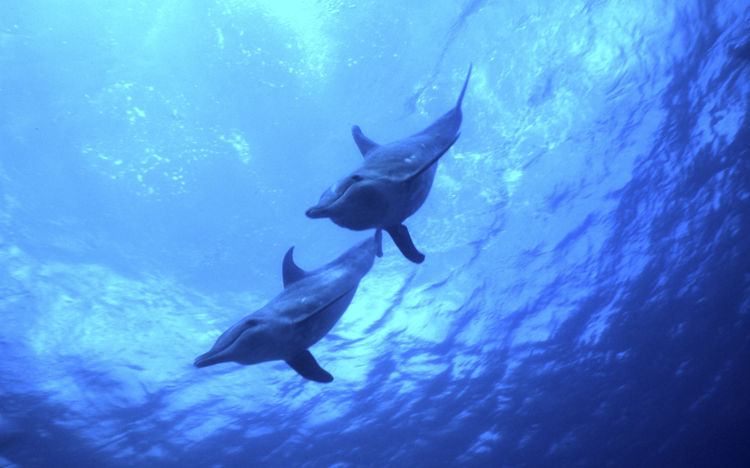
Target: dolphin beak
x,y
213,357
329,197
316,212
201,362
207,359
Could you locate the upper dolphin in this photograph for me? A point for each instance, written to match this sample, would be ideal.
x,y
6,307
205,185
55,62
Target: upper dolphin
x,y
393,182
310,305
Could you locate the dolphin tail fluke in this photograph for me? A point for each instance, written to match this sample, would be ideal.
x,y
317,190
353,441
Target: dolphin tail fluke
x,y
401,237
379,242
463,91
449,123
306,366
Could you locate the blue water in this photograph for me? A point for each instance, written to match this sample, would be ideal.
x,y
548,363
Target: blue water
x,y
585,301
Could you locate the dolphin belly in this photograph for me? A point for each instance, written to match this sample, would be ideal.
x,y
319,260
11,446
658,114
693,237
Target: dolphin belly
x,y
312,329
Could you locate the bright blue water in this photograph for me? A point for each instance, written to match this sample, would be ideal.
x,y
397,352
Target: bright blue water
x,y
586,295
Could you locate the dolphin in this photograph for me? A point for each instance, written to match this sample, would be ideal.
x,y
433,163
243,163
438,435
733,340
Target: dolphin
x,y
393,181
310,305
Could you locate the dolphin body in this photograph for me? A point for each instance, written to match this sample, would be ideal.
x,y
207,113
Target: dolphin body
x,y
393,181
310,305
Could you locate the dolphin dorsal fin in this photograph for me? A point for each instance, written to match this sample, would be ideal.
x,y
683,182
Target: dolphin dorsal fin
x,y
364,144
432,161
290,271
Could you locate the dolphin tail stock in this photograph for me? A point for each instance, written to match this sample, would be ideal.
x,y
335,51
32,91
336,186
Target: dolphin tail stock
x,y
378,242
400,235
306,366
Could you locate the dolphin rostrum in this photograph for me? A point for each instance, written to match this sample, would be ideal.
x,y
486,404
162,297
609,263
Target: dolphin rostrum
x,y
393,181
310,305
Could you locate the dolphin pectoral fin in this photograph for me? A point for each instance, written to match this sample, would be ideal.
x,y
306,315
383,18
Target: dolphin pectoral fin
x,y
364,144
378,242
306,366
289,270
401,237
431,161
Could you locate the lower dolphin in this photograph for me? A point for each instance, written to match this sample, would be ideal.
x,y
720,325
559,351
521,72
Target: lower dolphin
x,y
303,313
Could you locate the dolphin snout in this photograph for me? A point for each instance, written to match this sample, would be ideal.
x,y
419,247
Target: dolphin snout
x,y
210,358
316,212
323,208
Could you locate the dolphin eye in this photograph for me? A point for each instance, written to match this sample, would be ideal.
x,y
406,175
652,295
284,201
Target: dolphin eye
x,y
356,177
251,323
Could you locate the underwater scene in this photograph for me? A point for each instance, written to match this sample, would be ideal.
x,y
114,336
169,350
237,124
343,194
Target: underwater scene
x,y
343,234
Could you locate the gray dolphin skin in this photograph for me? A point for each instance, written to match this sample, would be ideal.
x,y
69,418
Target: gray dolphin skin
x,y
393,181
310,305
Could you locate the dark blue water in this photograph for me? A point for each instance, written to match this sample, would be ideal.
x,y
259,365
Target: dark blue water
x,y
585,301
